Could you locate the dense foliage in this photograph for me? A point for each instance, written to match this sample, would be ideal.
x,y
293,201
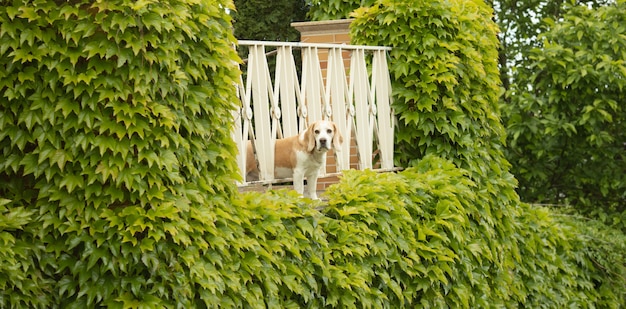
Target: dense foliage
x,y
446,88
412,239
421,239
114,147
336,9
268,20
520,23
566,117
117,177
445,80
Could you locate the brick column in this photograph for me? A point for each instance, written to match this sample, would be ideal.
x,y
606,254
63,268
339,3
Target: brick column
x,y
325,31
329,31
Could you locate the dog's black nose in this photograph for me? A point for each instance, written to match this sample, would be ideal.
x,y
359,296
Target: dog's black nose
x,y
322,141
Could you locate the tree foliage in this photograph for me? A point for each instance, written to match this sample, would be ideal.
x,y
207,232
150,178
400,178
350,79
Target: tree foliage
x,y
114,146
520,24
268,20
567,124
336,9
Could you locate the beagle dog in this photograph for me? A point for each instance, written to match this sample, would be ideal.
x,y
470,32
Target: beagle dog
x,y
300,156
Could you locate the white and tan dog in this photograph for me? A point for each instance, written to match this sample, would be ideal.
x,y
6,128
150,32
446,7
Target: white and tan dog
x,y
301,156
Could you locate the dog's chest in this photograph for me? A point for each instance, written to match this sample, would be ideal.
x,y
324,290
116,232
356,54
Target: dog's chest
x,y
305,162
310,161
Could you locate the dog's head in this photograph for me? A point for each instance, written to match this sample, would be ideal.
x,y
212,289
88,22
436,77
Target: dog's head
x,y
323,135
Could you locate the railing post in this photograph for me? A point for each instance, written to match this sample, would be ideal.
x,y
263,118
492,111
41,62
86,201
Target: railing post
x,y
287,89
337,93
361,91
312,84
258,82
381,84
241,131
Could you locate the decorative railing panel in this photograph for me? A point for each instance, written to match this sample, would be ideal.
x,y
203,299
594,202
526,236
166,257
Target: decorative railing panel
x,y
357,100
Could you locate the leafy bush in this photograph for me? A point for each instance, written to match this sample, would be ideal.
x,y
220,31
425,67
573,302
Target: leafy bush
x,y
445,80
411,239
419,238
566,118
565,261
20,283
114,146
444,77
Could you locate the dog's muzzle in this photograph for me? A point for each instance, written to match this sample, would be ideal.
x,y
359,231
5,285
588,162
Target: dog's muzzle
x,y
324,144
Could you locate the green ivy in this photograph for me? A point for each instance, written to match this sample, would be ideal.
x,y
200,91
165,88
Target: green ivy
x,y
20,283
405,240
115,140
445,82
117,179
399,238
419,239
445,79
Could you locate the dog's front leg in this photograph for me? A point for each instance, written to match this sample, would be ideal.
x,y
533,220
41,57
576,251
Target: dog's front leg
x,y
311,185
298,180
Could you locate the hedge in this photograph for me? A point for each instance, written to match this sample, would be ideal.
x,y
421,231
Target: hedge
x,y
409,239
405,240
115,145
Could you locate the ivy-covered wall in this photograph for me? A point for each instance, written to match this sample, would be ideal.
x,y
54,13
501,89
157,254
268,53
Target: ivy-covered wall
x,y
406,240
445,79
117,177
445,82
114,148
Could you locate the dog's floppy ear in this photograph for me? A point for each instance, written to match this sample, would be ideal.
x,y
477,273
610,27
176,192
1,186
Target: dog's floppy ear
x,y
337,138
309,137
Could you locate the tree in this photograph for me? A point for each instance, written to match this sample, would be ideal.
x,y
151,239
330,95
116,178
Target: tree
x,y
567,123
115,123
520,23
268,20
336,9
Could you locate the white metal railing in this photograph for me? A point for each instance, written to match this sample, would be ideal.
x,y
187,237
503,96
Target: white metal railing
x,y
358,101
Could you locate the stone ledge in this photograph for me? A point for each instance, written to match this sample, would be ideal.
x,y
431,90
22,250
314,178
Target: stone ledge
x,y
323,26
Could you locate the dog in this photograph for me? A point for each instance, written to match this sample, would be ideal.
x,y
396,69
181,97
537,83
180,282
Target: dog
x,y
301,156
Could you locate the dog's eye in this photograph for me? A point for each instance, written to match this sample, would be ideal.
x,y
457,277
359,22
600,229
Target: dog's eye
x,y
329,131
317,131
